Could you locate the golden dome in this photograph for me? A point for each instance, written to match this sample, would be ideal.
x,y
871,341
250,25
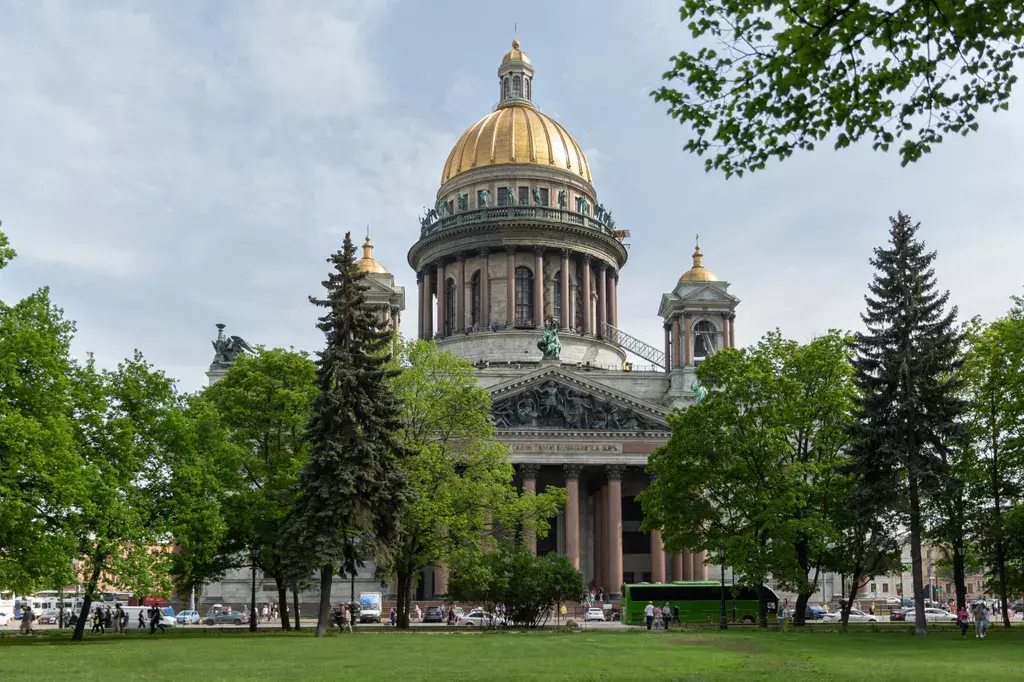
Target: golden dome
x,y
698,273
518,134
368,263
515,54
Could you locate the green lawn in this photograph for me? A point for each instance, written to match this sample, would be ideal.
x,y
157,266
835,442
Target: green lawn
x,y
593,655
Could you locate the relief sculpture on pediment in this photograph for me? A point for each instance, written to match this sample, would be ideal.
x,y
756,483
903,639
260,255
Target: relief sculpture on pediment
x,y
554,405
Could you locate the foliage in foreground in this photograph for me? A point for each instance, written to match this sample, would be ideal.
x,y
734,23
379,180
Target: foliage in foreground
x,y
768,77
529,587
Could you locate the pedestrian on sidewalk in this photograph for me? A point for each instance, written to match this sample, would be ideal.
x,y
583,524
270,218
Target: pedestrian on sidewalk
x,y
962,619
649,613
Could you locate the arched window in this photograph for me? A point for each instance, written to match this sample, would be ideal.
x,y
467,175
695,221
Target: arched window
x,y
524,297
705,339
558,299
526,85
517,87
505,92
449,307
474,308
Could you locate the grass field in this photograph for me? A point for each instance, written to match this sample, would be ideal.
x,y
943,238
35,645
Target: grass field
x,y
593,655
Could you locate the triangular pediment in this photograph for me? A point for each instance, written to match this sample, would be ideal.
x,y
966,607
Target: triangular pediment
x,y
708,294
557,399
374,285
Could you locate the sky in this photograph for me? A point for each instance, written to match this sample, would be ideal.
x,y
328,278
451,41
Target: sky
x,y
168,166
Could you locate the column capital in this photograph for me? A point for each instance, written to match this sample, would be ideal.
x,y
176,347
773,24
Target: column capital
x,y
687,315
484,253
539,250
600,264
587,258
732,316
725,316
566,252
572,471
614,471
510,249
439,264
667,326
419,278
529,470
460,256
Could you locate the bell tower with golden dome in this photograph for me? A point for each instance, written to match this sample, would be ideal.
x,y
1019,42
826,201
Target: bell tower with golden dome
x,y
699,318
381,290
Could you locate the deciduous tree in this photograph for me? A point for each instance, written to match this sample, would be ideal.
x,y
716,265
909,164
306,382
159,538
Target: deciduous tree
x,y
767,77
461,474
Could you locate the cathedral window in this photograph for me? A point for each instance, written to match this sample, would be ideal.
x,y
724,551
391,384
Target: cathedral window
x,y
506,90
544,196
474,307
517,87
524,196
558,298
503,196
449,307
524,297
705,339
526,85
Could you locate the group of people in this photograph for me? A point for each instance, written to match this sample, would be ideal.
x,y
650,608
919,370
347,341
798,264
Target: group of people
x,y
660,617
266,613
981,613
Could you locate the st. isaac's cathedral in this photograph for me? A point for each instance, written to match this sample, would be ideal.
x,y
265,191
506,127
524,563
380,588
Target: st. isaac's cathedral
x,y
519,244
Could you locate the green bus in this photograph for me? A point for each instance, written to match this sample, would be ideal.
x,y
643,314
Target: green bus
x,y
698,602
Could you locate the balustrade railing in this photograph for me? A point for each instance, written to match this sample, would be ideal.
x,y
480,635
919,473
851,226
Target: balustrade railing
x,y
504,213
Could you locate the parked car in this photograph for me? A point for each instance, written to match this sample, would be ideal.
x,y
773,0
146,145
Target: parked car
x,y
932,615
49,617
1017,605
856,616
478,618
594,613
898,615
814,613
221,617
893,600
433,614
190,617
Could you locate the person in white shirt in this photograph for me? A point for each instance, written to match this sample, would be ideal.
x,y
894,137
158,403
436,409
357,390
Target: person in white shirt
x,y
649,612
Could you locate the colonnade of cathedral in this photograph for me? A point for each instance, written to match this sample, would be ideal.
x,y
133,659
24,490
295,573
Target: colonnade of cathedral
x,y
531,298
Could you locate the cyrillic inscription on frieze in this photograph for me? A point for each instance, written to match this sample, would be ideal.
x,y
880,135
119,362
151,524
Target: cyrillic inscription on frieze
x,y
600,448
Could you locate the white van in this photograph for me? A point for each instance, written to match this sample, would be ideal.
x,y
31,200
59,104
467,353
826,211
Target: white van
x,y
370,604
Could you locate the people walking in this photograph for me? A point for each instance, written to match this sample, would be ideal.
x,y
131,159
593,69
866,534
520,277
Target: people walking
x,y
962,619
142,619
649,614
980,611
26,620
97,621
117,618
393,617
657,617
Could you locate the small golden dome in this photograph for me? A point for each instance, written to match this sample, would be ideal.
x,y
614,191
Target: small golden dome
x,y
515,54
698,273
368,263
517,134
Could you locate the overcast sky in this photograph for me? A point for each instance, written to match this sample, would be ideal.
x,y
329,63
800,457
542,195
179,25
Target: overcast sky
x,y
166,166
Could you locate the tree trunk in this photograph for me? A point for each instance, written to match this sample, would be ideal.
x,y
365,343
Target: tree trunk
x,y
253,609
762,611
295,600
854,586
921,624
998,519
282,602
959,577
323,618
97,568
800,610
404,578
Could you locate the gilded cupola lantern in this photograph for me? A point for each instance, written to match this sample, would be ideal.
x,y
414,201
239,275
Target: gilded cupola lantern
x,y
515,78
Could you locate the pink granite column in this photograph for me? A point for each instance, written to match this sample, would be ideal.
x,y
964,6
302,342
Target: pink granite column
x,y
599,533
460,293
566,322
510,268
428,306
529,472
538,287
668,348
732,330
614,530
688,341
677,566
602,299
485,289
588,321
572,513
419,302
700,571
675,343
613,296
657,558
725,331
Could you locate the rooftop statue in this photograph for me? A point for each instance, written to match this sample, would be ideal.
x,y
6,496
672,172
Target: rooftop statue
x,y
510,196
485,198
550,345
562,201
463,201
227,349
442,209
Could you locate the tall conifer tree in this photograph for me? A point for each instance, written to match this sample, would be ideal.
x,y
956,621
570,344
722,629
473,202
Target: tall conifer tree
x,y
907,361
354,485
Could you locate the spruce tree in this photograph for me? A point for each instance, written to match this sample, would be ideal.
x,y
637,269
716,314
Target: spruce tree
x,y
907,361
354,484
